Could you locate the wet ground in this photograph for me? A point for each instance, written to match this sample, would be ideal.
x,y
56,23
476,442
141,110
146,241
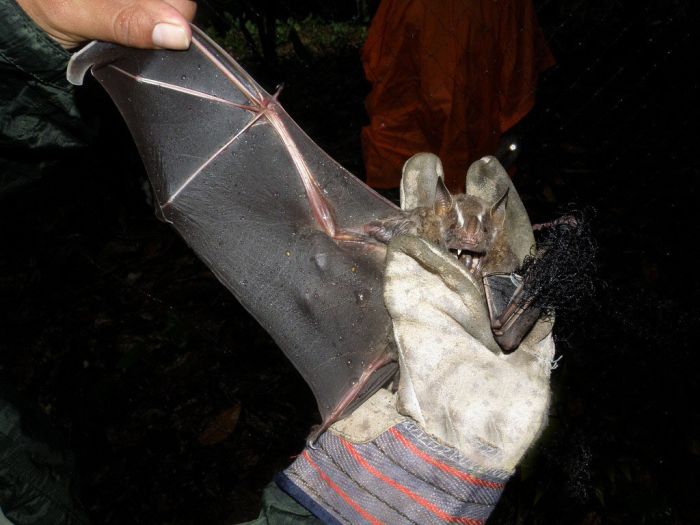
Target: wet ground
x,y
122,347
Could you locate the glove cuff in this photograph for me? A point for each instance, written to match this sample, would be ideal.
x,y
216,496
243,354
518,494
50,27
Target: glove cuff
x,y
402,476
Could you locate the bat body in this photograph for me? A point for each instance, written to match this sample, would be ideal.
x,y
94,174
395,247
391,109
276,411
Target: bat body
x,y
286,229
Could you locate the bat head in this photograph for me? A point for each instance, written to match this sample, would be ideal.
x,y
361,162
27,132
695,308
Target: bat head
x,y
469,224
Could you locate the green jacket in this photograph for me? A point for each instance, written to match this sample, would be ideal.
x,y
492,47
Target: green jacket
x,y
39,120
39,123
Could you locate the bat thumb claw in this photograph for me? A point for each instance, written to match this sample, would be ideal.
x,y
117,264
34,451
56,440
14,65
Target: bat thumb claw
x,y
316,431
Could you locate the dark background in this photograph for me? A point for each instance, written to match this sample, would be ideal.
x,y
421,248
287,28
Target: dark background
x,y
120,346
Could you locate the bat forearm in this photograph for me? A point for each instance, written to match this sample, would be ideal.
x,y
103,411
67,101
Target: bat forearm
x,y
320,209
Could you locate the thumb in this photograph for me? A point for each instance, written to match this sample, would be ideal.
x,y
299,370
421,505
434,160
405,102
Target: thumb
x,y
147,23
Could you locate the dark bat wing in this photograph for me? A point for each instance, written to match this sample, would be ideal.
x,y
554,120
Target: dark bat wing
x,y
510,306
510,310
236,177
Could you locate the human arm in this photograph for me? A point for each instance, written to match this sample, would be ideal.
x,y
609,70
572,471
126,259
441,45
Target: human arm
x,y
39,118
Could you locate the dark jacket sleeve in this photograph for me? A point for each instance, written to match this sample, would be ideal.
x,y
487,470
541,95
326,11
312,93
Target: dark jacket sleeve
x,y
39,119
278,508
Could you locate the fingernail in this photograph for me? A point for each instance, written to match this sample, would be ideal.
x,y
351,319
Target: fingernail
x,y
170,36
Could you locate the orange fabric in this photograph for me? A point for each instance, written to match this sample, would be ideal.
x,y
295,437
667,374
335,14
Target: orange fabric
x,y
448,77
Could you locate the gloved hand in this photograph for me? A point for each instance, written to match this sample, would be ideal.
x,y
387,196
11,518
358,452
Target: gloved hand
x,y
454,382
441,447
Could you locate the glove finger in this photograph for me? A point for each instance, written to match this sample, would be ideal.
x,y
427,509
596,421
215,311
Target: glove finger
x,y
425,285
487,179
419,180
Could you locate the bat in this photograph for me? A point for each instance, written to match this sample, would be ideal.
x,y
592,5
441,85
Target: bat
x,y
473,227
295,237
463,224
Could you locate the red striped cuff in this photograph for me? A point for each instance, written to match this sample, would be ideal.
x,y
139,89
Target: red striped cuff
x,y
402,476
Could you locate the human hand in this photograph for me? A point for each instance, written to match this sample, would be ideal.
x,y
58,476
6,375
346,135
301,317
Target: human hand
x,y
135,23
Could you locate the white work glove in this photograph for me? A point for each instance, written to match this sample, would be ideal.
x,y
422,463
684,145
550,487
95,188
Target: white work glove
x,y
454,382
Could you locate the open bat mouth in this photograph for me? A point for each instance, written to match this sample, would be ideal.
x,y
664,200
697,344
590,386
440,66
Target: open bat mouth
x,y
467,257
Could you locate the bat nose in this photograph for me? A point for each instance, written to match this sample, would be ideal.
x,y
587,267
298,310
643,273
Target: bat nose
x,y
471,234
464,240
469,239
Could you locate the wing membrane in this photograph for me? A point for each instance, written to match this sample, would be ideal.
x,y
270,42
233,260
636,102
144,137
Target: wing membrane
x,y
227,178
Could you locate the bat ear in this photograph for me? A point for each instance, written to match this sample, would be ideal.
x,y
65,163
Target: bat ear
x,y
443,198
498,210
502,202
